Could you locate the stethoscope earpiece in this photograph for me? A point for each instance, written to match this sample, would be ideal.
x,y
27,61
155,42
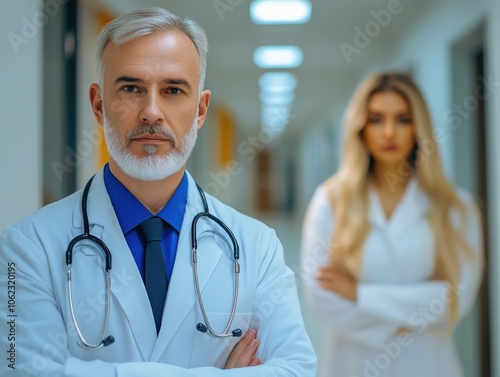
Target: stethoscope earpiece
x,y
237,333
201,328
109,340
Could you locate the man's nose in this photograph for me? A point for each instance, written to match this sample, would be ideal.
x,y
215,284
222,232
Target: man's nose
x,y
151,111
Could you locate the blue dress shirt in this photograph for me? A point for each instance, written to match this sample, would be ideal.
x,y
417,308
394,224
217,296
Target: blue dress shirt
x,y
131,212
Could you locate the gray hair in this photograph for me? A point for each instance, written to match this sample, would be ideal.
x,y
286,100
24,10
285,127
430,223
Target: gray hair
x,y
146,21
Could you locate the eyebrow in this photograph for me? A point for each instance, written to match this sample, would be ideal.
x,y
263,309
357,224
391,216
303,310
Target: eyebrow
x,y
129,79
122,79
408,113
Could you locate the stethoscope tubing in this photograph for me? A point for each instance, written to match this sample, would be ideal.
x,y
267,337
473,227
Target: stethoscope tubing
x,y
104,341
209,330
206,327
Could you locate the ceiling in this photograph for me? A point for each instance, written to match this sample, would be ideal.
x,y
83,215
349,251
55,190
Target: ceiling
x,y
325,78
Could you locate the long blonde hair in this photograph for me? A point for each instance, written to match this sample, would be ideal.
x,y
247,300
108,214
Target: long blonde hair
x,y
348,188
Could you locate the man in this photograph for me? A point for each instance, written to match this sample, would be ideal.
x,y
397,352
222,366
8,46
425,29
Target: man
x,y
55,304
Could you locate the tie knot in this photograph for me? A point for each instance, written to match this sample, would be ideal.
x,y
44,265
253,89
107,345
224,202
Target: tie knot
x,y
152,229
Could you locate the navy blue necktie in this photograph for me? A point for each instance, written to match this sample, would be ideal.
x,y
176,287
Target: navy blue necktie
x,y
155,272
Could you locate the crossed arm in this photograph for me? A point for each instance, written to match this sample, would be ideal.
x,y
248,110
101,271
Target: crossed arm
x,y
373,312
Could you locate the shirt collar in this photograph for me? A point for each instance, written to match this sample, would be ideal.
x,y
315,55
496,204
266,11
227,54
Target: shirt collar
x,y
131,212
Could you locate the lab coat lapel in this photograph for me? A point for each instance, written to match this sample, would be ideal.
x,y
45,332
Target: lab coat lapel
x,y
377,215
413,204
181,296
127,285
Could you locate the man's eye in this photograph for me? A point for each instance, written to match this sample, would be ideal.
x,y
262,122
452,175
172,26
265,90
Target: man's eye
x,y
174,91
130,88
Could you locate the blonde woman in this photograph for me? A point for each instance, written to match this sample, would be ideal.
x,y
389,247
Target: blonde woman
x,y
391,251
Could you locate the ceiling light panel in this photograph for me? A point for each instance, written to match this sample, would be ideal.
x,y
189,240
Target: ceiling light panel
x,y
268,12
278,57
277,82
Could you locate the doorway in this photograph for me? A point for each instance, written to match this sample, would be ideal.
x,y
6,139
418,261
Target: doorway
x,y
468,123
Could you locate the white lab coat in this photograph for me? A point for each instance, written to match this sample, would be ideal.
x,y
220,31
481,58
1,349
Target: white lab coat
x,y
362,338
45,339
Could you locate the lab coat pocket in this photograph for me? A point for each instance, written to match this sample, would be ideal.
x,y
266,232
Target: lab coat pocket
x,y
209,351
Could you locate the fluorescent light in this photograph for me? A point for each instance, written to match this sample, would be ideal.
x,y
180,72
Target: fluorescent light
x,y
278,57
265,12
277,82
276,95
276,111
277,98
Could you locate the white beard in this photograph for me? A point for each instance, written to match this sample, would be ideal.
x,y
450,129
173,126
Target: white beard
x,y
152,167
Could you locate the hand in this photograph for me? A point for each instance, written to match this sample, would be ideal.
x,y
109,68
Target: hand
x,y
437,275
336,280
243,354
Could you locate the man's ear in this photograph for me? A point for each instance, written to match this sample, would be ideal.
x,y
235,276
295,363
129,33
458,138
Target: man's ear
x,y
203,107
96,102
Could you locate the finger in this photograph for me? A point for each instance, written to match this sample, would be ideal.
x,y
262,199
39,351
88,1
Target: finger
x,y
334,284
255,361
325,275
327,284
330,278
239,348
247,355
326,270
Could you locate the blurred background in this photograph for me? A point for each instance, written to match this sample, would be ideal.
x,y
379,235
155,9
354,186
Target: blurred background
x,y
274,130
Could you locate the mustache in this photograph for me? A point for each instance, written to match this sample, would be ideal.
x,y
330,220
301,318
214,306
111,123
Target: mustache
x,y
152,129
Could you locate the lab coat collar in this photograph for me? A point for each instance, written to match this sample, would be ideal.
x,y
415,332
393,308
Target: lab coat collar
x,y
413,204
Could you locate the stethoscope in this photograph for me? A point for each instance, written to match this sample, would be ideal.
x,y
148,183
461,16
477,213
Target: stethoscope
x,y
202,327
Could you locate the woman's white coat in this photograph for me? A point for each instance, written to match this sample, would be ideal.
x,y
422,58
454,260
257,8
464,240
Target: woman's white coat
x,y
366,338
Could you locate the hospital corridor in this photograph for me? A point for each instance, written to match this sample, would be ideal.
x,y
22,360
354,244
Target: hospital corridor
x,y
379,118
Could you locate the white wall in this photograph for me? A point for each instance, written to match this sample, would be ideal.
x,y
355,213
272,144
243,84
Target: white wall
x,y
493,66
21,140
